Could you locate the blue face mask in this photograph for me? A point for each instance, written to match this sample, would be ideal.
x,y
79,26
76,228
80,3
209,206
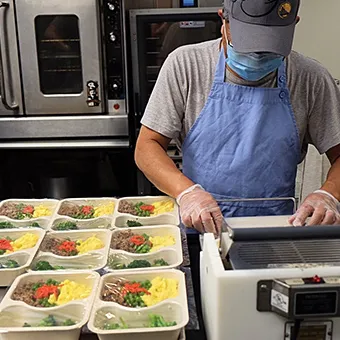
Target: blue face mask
x,y
253,66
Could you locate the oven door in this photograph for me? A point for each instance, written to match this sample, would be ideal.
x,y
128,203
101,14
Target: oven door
x,y
60,56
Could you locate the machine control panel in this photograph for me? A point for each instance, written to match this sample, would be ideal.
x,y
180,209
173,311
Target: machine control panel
x,y
114,52
300,298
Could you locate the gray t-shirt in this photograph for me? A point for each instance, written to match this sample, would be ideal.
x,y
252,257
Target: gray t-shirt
x,y
185,81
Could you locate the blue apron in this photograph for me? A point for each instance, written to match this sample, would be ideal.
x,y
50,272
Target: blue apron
x,y
245,144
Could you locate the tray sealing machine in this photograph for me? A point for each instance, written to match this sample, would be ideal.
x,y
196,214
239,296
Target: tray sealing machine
x,y
270,281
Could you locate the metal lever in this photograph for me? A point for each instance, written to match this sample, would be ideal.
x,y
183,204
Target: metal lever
x,y
8,106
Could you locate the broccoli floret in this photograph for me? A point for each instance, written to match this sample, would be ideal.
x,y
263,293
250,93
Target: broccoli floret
x,y
68,322
26,325
43,265
139,264
6,225
158,321
131,224
67,226
160,263
35,225
58,267
110,326
11,264
2,251
48,322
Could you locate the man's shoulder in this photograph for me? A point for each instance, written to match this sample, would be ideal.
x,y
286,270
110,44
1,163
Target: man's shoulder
x,y
206,50
307,67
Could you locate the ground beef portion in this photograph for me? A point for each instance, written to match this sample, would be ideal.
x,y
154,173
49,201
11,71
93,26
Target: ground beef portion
x,y
25,293
10,210
69,209
121,241
112,292
51,244
127,208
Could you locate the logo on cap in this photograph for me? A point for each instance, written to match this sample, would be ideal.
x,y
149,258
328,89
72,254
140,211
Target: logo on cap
x,y
284,10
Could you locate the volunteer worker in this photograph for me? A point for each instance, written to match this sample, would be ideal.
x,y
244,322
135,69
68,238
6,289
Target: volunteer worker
x,y
243,109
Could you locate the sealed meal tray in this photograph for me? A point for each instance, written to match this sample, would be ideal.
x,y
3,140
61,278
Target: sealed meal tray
x,y
64,223
30,209
147,305
258,221
48,306
146,211
7,223
81,209
140,248
73,250
17,250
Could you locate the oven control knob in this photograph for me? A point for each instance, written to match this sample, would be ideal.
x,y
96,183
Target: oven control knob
x,y
113,37
111,6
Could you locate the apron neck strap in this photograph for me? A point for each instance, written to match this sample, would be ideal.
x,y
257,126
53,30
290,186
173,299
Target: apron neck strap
x,y
220,68
281,75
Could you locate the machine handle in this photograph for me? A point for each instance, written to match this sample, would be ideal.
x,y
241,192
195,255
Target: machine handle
x,y
12,107
259,200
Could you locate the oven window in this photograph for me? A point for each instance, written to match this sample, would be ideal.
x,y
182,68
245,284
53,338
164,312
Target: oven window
x,y
157,40
59,57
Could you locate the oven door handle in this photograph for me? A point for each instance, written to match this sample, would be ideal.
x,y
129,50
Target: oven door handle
x,y
4,6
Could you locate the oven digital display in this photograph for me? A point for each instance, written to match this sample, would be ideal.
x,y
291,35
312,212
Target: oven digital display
x,y
316,303
315,332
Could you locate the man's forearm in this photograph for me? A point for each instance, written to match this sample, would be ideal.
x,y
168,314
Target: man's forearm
x,y
160,169
332,184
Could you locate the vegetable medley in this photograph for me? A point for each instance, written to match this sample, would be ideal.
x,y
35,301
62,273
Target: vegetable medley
x,y
51,293
50,321
85,212
114,263
140,294
135,243
21,211
45,265
146,210
154,321
67,247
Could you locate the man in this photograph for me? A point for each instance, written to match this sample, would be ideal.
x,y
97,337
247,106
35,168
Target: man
x,y
243,112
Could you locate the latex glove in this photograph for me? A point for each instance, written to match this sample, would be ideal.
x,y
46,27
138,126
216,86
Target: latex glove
x,y
321,206
199,210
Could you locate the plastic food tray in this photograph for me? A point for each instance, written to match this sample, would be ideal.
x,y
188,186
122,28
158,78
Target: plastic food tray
x,y
98,223
175,309
86,201
49,203
173,254
13,314
120,219
23,257
18,224
93,260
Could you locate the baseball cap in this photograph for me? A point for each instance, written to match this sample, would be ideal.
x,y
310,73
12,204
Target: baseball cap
x,y
262,25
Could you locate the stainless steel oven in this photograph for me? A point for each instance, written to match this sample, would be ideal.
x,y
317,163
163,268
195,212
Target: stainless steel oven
x,y
60,58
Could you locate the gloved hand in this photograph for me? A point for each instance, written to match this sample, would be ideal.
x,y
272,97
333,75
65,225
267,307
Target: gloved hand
x,y
199,210
321,206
